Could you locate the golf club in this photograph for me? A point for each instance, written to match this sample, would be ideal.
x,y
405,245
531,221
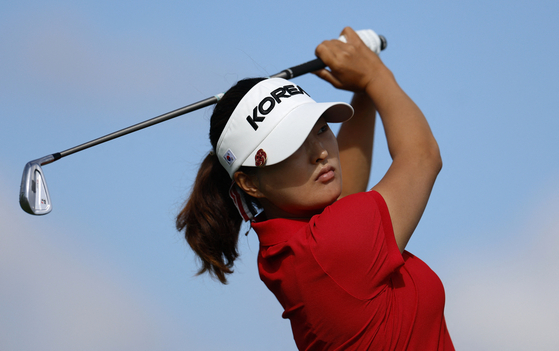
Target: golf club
x,y
34,196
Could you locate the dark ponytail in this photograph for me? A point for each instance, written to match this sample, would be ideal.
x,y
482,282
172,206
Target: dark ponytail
x,y
210,219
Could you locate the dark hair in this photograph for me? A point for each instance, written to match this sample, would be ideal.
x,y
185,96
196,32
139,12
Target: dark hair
x,y
210,219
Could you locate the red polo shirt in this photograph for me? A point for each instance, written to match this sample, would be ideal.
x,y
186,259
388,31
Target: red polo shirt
x,y
344,285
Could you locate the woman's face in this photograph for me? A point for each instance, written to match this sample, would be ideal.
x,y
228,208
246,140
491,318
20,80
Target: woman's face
x,y
307,181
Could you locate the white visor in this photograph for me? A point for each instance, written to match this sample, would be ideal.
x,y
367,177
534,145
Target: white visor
x,y
271,122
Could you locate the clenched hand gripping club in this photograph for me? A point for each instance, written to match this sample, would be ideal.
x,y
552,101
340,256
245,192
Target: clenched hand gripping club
x,y
34,196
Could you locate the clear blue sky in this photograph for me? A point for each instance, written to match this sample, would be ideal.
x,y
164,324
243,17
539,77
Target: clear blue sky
x,y
106,270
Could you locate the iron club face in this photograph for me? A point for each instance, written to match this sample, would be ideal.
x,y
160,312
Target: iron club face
x,y
34,195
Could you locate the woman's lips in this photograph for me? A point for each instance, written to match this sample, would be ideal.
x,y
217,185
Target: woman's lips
x,y
326,174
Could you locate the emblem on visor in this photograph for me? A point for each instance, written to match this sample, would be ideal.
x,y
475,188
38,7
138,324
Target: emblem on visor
x,y
260,158
229,157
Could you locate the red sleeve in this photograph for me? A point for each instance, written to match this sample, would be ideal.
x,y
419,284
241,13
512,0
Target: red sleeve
x,y
353,241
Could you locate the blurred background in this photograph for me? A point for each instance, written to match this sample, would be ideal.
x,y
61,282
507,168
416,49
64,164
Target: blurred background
x,y
106,269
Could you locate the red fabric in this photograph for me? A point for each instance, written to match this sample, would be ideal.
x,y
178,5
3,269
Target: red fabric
x,y
344,284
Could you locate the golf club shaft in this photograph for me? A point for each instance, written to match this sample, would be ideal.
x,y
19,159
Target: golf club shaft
x,y
148,123
289,73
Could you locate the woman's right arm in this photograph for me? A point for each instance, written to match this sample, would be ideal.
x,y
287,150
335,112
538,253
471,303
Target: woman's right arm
x,y
416,159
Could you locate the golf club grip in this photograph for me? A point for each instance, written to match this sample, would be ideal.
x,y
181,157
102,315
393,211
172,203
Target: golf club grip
x,y
301,69
318,64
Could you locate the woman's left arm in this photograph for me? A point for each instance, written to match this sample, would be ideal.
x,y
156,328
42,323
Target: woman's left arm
x,y
355,141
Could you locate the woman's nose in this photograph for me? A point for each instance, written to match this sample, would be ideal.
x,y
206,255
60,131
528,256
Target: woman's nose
x,y
319,152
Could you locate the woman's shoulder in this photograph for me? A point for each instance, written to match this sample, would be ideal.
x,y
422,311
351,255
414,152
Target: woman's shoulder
x,y
355,215
353,241
358,204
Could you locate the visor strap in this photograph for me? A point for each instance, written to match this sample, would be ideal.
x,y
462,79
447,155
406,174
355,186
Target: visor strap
x,y
238,197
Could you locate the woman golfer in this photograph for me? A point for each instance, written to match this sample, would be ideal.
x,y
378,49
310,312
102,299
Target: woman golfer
x,y
331,251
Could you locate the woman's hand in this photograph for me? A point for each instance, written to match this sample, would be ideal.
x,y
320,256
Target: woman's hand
x,y
352,65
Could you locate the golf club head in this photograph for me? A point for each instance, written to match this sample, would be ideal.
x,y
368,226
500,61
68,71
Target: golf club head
x,y
34,195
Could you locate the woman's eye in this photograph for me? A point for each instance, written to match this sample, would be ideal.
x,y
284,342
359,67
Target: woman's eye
x,y
323,129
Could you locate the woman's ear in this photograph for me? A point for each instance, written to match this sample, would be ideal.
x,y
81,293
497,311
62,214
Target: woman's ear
x,y
248,184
